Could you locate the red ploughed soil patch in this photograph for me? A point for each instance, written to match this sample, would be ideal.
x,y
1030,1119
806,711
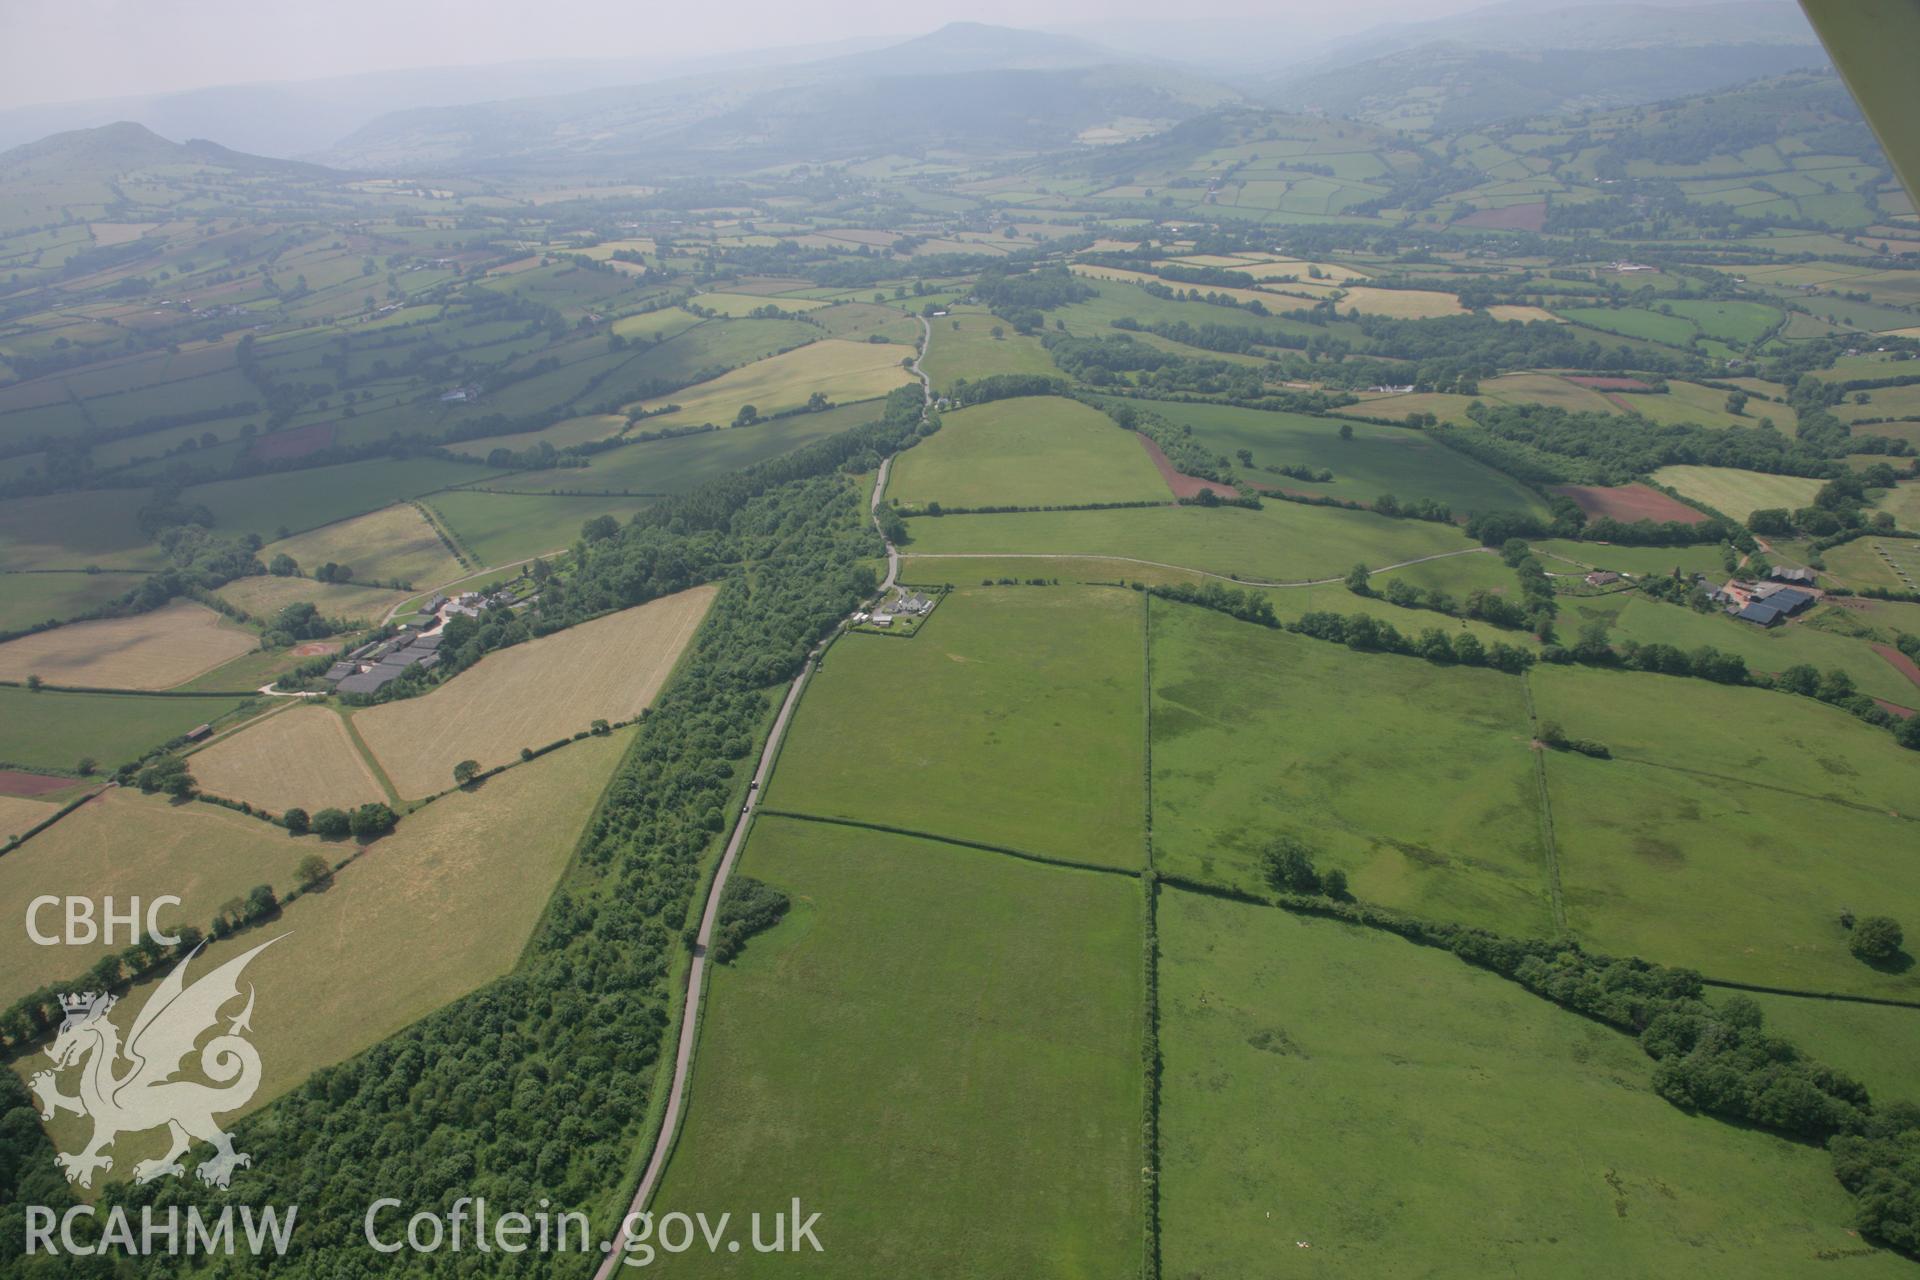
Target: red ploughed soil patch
x,y
314,648
1629,502
1895,709
295,443
1617,402
1515,217
1901,662
1606,384
1183,486
15,783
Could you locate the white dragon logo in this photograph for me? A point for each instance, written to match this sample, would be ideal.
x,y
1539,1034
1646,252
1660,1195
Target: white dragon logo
x,y
146,1096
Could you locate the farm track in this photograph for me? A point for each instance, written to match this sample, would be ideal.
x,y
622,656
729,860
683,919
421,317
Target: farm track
x,y
697,968
1183,568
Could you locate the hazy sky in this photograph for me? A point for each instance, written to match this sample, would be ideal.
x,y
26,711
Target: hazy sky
x,y
64,50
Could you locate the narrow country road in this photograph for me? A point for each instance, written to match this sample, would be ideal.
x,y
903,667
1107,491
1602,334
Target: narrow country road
x,y
697,970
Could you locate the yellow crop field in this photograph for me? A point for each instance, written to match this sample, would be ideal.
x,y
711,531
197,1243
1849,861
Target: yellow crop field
x,y
265,595
841,370
1738,493
739,304
441,907
533,693
128,845
157,650
1401,304
18,814
303,757
1509,311
394,542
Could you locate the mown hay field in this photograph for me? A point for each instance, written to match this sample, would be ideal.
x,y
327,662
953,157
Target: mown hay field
x,y
1013,717
837,368
395,542
156,650
1738,493
1028,451
979,1019
532,694
129,845
1442,1122
303,757
264,595
447,901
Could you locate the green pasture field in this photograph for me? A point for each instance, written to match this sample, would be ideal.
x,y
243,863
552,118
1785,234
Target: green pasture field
x,y
1117,299
1633,322
963,346
979,1021
1029,451
1903,501
714,346
843,370
1864,563
1405,1114
1407,464
1643,848
75,530
670,466
1691,402
1284,541
1769,649
586,429
1755,736
1014,717
502,528
1738,493
28,599
1561,555
1415,779
1740,323
863,320
300,500
50,730
1878,1045
660,324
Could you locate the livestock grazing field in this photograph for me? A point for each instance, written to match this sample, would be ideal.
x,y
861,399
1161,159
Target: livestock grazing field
x,y
1441,1122
1260,735
303,757
448,900
1026,452
1284,542
532,694
1013,717
980,1017
156,650
48,729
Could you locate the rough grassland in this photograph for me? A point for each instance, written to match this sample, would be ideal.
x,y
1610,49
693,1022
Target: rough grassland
x,y
1878,1045
1754,735
1407,464
843,370
129,845
430,913
1284,542
28,599
1407,1115
157,650
1738,493
53,730
938,1050
1736,880
1014,717
532,694
964,347
265,595
1415,779
395,543
300,757
1026,452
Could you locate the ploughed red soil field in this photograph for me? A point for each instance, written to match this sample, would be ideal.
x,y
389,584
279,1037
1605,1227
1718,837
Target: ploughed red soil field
x,y
1606,384
1183,486
1901,662
1515,217
13,782
297,442
1629,502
